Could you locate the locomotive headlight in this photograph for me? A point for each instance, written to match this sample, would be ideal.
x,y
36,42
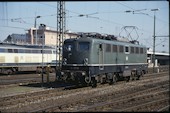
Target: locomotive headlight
x,y
83,73
64,61
62,73
85,61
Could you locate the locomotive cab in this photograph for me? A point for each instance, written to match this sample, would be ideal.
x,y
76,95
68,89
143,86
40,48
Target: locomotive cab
x,y
76,52
76,57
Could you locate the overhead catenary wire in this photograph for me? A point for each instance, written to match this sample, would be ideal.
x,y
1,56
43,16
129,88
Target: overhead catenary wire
x,y
110,12
101,19
104,20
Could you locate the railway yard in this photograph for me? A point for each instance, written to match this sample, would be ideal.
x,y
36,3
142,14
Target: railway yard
x,y
88,65
24,92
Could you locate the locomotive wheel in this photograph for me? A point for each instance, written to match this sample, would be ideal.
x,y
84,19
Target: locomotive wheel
x,y
13,70
52,70
137,77
38,71
142,73
127,78
115,78
9,72
93,82
110,81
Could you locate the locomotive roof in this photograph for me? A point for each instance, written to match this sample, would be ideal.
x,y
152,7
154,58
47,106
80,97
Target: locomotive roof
x,y
90,39
24,46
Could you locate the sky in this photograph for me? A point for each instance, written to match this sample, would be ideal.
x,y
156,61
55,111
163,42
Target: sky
x,y
108,17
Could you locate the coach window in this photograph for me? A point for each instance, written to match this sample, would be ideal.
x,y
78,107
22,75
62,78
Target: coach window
x,y
38,51
2,50
34,51
108,48
48,51
15,50
83,46
54,52
137,50
10,51
126,49
121,49
21,51
114,48
27,51
132,49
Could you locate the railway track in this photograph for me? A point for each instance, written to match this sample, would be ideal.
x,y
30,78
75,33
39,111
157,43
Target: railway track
x,y
36,78
88,104
129,101
150,106
24,79
40,101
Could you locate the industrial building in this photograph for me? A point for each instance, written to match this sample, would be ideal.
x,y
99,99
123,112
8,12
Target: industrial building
x,y
36,37
160,58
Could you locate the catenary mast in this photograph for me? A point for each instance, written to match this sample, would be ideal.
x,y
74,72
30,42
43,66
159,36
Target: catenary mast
x,y
61,28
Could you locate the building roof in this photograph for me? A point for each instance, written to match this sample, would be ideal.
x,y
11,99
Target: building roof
x,y
158,53
13,45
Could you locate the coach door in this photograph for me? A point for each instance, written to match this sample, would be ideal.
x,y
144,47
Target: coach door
x,y
101,56
16,59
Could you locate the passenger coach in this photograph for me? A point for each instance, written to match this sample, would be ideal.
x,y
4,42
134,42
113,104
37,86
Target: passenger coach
x,y
14,57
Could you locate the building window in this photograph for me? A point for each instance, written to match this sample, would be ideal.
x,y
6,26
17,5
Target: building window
x,y
10,51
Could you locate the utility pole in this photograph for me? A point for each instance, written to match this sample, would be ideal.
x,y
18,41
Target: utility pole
x,y
153,60
43,41
35,26
134,12
61,28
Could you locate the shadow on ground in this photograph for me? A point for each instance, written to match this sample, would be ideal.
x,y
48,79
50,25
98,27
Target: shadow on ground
x,y
54,84
19,73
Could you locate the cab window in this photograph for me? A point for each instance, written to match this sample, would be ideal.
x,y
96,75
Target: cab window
x,y
68,47
83,46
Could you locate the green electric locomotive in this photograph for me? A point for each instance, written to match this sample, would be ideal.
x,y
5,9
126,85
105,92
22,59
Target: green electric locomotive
x,y
93,58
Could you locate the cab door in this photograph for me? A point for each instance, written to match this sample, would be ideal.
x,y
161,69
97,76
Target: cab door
x,y
101,56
